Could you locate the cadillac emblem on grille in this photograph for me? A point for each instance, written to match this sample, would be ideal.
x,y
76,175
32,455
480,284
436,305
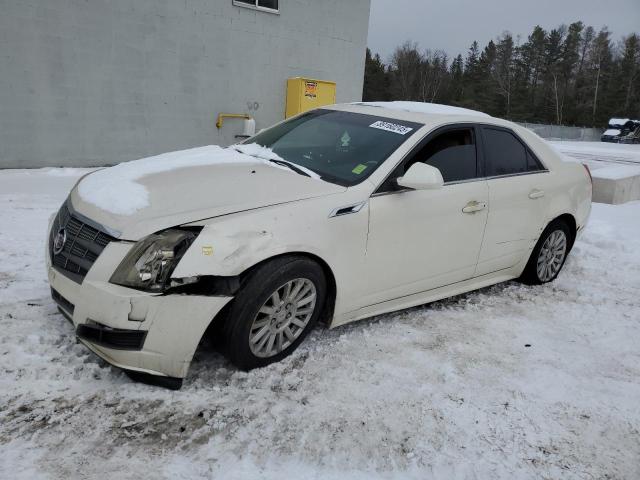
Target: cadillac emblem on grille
x,y
59,240
74,244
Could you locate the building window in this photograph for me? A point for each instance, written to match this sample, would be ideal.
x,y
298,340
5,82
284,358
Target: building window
x,y
266,5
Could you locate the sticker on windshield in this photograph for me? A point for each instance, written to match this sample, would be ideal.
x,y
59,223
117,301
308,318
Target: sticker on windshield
x,y
359,169
391,127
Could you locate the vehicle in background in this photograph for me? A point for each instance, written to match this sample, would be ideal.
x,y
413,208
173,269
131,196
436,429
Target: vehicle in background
x,y
633,136
622,130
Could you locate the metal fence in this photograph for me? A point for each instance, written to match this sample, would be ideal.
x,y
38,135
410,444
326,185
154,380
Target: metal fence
x,y
560,132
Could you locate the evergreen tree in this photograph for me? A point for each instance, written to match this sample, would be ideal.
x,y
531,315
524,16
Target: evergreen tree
x,y
376,81
456,72
628,80
600,71
569,75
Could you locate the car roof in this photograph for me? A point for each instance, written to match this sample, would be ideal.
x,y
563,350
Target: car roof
x,y
434,115
427,113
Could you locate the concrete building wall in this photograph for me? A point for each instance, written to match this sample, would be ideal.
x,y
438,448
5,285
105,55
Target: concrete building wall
x,y
97,82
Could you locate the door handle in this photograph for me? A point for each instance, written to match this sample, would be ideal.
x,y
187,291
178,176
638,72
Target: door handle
x,y
474,206
535,193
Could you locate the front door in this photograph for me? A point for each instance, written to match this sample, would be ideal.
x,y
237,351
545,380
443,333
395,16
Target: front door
x,y
423,239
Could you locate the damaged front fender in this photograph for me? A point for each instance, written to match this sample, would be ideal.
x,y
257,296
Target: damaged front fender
x,y
229,248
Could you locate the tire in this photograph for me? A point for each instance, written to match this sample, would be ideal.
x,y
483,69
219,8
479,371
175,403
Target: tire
x,y
259,311
542,267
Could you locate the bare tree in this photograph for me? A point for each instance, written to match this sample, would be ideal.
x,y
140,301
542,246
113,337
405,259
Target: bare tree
x,y
502,70
433,72
600,51
406,63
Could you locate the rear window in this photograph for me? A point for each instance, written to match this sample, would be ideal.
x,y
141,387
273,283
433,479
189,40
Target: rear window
x,y
506,154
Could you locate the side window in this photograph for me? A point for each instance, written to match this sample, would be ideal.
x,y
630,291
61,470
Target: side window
x,y
532,163
453,153
506,155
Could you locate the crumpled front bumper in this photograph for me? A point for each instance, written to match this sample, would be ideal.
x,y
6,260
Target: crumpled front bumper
x,y
174,324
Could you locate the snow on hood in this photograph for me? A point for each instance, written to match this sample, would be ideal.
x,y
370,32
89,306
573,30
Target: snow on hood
x,y
426,108
149,195
100,188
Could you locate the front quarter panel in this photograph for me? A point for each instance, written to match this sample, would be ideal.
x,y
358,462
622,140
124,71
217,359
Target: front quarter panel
x,y
229,245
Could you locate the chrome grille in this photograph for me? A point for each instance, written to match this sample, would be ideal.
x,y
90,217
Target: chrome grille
x,y
84,244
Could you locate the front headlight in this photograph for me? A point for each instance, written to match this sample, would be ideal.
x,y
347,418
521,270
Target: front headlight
x,y
149,264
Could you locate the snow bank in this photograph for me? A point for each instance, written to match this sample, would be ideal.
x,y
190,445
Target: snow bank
x,y
599,152
116,189
426,108
617,172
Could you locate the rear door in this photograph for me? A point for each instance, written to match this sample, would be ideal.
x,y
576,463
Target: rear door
x,y
517,199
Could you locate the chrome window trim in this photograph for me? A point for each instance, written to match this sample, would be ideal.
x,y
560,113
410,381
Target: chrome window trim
x,y
519,174
470,180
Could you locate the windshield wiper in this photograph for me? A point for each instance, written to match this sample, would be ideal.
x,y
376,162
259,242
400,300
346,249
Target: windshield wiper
x,y
292,166
284,163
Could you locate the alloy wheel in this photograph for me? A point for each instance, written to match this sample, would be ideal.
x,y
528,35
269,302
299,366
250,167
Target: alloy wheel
x,y
282,318
551,255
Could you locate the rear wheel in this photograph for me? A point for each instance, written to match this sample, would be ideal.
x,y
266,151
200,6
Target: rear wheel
x,y
549,254
274,311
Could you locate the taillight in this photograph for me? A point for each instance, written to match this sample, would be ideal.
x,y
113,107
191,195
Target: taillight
x,y
586,167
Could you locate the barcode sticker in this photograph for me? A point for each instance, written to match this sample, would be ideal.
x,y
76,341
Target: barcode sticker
x,y
391,127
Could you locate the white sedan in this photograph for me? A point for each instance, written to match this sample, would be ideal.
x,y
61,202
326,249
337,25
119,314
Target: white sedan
x,y
335,215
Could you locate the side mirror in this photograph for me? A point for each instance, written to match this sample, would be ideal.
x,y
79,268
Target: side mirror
x,y
421,176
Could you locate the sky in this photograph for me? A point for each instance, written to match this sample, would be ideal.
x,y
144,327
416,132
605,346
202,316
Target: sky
x,y
451,25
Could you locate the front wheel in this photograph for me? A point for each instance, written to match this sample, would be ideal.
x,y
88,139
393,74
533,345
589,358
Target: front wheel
x,y
549,254
274,311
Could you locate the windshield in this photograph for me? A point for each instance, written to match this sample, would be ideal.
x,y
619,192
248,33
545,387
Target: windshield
x,y
341,147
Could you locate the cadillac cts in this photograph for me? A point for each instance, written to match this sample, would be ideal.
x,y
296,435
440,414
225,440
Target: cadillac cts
x,y
335,215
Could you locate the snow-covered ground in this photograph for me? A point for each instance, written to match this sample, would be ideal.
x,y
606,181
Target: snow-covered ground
x,y
508,382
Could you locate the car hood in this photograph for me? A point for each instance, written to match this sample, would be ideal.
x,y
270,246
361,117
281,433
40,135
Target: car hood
x,y
135,199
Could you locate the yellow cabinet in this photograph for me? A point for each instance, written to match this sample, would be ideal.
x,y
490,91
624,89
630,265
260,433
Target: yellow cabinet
x,y
305,94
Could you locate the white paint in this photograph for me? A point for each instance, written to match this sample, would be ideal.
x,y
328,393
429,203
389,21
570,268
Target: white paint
x,y
384,243
425,108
